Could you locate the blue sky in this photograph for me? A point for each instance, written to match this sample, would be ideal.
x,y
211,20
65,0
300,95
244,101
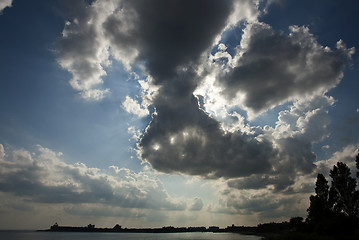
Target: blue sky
x,y
146,113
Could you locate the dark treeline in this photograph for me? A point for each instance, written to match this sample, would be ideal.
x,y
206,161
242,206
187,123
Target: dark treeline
x,y
166,229
333,212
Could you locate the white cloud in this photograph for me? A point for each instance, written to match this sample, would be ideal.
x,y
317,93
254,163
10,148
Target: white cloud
x,y
325,147
2,151
84,50
4,4
293,136
46,178
346,155
132,106
136,133
243,10
307,118
94,94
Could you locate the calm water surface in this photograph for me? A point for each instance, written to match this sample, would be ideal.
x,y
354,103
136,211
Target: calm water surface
x,y
31,235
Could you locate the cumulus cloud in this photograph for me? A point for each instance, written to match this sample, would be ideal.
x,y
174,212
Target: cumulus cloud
x,y
254,195
84,51
159,33
273,68
4,4
183,138
293,136
346,155
261,205
187,140
172,34
132,106
46,178
198,131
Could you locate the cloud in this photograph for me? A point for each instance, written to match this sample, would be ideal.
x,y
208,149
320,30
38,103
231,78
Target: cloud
x,y
273,68
293,136
132,106
197,144
180,46
256,195
182,137
346,155
163,35
325,147
168,35
84,51
2,151
188,141
4,4
197,205
100,210
262,205
45,178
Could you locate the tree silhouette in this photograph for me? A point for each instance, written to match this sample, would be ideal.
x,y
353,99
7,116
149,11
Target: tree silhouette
x,y
335,209
343,195
319,209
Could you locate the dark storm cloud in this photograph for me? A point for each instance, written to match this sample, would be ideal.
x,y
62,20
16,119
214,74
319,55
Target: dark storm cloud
x,y
273,68
171,37
276,67
251,182
185,139
169,34
279,180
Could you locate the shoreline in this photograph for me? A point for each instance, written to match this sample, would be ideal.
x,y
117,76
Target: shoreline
x,y
169,229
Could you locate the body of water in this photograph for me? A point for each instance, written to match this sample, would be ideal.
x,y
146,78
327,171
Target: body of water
x,y
32,235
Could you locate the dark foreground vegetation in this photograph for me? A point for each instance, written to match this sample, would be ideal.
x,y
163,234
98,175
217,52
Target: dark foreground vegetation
x,y
333,213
